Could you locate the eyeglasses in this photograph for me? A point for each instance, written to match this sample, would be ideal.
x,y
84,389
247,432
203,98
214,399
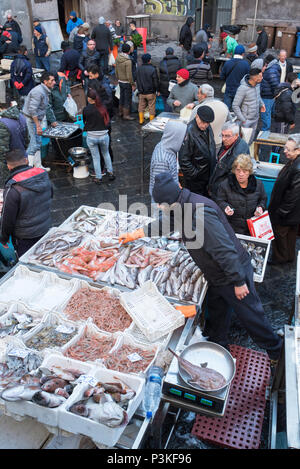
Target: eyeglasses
x,y
227,136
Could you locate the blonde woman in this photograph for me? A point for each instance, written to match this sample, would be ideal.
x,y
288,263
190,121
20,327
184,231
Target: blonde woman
x,y
241,195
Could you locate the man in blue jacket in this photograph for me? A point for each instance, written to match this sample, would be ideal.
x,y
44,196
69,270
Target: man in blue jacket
x,y
21,76
73,22
270,81
232,72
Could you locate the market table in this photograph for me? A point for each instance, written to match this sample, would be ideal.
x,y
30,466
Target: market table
x,y
265,137
5,79
157,126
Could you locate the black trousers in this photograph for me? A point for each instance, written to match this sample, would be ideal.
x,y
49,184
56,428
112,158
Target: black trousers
x,y
23,245
284,244
104,61
125,95
221,300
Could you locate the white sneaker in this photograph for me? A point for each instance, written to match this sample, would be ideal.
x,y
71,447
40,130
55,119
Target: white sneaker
x,y
30,160
38,161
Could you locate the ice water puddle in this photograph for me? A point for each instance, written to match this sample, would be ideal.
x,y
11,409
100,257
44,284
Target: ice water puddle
x,y
19,289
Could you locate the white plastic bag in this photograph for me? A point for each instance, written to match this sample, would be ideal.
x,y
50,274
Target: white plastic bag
x,y
111,60
71,107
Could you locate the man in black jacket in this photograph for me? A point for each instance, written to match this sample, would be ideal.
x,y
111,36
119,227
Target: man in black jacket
x,y
168,67
284,107
103,39
147,85
69,64
261,41
88,57
26,214
197,157
13,25
186,38
224,262
284,207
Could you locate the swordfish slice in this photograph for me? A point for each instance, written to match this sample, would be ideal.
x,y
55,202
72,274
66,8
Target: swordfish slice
x,y
201,376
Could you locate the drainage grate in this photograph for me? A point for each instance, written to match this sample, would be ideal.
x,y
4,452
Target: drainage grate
x,y
241,425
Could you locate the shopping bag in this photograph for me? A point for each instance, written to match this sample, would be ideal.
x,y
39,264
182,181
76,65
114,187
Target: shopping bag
x,y
111,59
117,92
172,83
223,89
185,114
261,227
71,107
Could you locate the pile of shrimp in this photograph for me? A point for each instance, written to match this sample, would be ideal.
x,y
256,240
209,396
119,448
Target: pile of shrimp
x,y
90,347
119,360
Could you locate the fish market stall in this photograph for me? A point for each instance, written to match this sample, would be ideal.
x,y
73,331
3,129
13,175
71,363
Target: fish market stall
x,y
65,136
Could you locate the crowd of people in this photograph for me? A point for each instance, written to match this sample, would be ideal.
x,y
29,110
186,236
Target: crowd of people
x,y
206,159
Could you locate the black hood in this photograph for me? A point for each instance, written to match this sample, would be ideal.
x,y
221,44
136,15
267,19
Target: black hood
x,y
190,20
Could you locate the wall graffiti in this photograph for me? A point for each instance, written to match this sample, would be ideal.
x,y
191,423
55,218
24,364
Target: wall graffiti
x,y
170,7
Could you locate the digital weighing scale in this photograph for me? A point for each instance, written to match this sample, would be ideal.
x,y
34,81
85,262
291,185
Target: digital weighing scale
x,y
179,394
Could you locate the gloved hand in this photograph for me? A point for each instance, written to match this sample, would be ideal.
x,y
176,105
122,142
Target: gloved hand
x,y
127,237
18,85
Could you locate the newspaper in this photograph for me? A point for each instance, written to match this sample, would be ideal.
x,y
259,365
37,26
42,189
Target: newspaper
x,y
151,312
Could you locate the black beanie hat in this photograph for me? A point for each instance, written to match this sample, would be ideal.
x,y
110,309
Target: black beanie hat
x,y
165,189
206,114
146,58
125,48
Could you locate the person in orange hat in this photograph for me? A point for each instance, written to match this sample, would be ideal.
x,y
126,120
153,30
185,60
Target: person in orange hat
x,y
184,93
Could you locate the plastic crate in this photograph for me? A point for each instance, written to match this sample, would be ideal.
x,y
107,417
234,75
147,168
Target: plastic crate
x,y
268,186
159,105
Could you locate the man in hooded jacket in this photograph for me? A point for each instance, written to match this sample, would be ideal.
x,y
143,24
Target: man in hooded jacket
x,y
103,39
73,22
186,38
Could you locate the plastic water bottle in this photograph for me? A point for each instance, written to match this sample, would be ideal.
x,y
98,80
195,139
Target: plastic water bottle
x,y
153,390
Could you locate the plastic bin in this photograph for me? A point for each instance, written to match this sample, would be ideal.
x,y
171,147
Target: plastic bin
x,y
297,53
288,40
270,30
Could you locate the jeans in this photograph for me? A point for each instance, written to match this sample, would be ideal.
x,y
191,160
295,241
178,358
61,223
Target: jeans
x,y
42,62
228,100
266,116
221,300
104,61
125,95
103,142
35,139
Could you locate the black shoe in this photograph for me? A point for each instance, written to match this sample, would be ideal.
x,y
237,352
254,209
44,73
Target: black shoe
x,y
111,177
92,173
97,181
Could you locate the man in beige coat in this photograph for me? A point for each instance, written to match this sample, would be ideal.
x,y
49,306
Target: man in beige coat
x,y
124,76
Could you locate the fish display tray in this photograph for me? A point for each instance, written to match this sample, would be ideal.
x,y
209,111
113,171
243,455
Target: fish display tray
x,y
21,309
257,243
52,320
21,284
151,312
98,432
46,415
63,130
136,334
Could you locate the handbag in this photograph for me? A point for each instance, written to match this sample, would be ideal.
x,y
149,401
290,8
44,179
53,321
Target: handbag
x,y
261,227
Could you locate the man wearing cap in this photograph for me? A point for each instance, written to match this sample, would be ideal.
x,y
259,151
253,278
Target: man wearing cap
x,y
13,25
37,22
251,53
73,22
226,266
41,48
147,85
184,93
197,157
103,39
200,72
232,72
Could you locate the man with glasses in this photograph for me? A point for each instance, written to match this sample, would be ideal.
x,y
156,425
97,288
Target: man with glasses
x,y
232,146
284,207
34,110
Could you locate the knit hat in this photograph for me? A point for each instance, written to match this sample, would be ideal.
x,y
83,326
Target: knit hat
x,y
197,51
125,48
101,20
85,26
73,13
165,189
36,20
239,50
183,73
169,51
130,43
146,58
252,48
206,114
38,29
257,63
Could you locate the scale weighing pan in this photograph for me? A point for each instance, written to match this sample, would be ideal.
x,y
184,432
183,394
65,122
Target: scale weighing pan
x,y
216,357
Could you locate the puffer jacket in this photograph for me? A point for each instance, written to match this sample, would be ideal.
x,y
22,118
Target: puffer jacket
x,y
200,72
224,164
197,158
123,68
243,201
247,102
284,207
168,67
270,81
13,131
147,79
284,109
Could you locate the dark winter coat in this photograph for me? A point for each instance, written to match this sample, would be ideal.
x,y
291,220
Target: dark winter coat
x,y
185,35
21,71
146,79
87,59
103,38
243,201
70,63
270,81
80,42
7,47
197,158
284,207
168,67
15,27
222,258
56,111
13,131
26,210
262,42
224,165
284,109
232,72
200,72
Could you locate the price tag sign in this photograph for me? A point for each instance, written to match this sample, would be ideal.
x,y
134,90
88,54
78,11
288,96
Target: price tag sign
x,y
134,357
87,380
65,329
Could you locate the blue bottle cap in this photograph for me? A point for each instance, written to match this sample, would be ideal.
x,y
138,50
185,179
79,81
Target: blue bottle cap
x,y
149,414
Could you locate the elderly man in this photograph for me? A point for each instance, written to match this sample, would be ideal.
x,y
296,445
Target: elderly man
x,y
197,157
206,98
285,66
284,207
232,146
184,93
13,25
